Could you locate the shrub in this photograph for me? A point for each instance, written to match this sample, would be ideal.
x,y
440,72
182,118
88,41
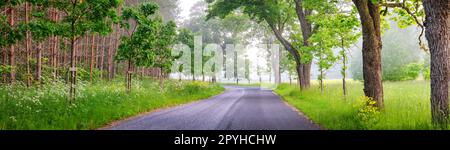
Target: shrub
x,y
426,73
368,114
411,71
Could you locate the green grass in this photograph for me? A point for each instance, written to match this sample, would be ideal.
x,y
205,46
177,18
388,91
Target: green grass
x,y
407,105
96,104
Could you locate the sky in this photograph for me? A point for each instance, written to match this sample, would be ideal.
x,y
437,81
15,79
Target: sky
x,y
185,6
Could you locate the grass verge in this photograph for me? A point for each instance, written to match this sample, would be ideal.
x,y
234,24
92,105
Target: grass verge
x,y
96,104
407,106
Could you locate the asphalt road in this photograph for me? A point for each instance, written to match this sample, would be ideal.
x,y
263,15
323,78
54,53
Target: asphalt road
x,y
237,108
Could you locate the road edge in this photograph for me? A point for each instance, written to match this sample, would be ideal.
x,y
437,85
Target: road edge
x,y
299,112
116,122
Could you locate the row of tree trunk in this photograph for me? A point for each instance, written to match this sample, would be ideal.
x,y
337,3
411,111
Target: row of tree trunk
x,y
30,59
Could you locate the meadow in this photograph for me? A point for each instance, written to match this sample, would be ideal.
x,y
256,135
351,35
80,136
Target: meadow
x,y
96,104
407,106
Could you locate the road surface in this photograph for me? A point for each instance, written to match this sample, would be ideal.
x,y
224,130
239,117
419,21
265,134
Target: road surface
x,y
237,108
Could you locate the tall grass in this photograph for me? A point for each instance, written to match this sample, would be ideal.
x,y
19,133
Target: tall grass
x,y
407,105
96,104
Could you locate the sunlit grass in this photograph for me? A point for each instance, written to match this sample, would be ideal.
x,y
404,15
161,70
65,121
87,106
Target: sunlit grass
x,y
407,105
96,104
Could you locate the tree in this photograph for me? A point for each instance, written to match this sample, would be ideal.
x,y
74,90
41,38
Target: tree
x,y
370,16
186,36
166,38
41,27
287,65
168,9
277,15
234,28
12,32
335,28
82,17
370,21
438,36
136,48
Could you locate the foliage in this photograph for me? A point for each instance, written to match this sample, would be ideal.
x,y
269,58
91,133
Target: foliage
x,y
186,36
368,113
137,47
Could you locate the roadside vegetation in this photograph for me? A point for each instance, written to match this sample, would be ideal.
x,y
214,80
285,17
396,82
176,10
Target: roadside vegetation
x,y
407,105
97,104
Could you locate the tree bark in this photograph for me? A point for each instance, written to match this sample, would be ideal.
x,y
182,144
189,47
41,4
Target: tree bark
x,y
110,60
28,44
52,44
161,81
370,21
91,67
39,63
102,56
321,81
438,36
11,49
306,27
4,62
129,77
344,69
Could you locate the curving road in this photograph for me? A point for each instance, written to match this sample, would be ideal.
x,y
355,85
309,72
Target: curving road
x,y
237,108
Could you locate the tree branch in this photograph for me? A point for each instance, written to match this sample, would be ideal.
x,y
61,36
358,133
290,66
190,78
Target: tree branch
x,y
413,15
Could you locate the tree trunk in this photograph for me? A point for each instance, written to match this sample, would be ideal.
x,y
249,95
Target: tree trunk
x,y
344,69
73,70
102,56
110,60
438,36
12,47
52,44
203,77
213,79
39,63
4,62
306,27
305,77
294,52
27,45
161,81
321,81
370,21
129,77
91,67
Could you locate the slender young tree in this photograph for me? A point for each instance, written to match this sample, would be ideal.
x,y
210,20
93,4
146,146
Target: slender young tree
x,y
82,17
163,52
136,47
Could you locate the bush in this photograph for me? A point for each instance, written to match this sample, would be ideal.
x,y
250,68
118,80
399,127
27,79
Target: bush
x,y
412,71
426,73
